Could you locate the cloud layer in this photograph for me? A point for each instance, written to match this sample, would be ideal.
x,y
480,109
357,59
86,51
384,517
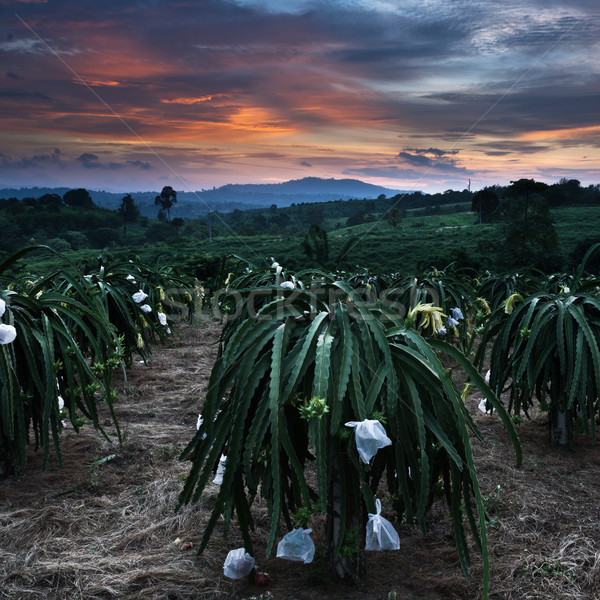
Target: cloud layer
x,y
200,93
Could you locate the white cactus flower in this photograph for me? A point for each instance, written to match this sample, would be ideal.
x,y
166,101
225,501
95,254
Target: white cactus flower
x,y
451,322
457,313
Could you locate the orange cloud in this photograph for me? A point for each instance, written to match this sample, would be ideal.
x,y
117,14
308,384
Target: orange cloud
x,y
192,100
96,83
550,134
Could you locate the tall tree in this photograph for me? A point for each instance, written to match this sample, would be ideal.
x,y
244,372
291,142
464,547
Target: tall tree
x,y
484,203
529,235
129,211
167,198
315,244
79,198
393,217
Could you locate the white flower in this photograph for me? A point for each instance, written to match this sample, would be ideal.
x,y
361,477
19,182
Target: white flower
x,y
7,334
146,308
139,296
457,313
2,307
287,285
162,318
451,322
131,278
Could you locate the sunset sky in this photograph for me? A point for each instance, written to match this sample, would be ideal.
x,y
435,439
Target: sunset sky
x,y
408,94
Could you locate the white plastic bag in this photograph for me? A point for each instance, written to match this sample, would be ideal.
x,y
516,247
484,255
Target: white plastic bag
x,y
370,436
199,424
482,406
381,534
220,470
297,545
238,564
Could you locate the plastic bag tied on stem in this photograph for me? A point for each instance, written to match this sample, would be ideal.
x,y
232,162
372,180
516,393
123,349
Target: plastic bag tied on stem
x,y
297,545
381,534
370,436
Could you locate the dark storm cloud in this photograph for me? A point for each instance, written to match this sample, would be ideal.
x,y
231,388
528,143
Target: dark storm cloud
x,y
563,100
89,161
511,147
92,161
51,158
305,163
21,96
145,166
438,161
437,152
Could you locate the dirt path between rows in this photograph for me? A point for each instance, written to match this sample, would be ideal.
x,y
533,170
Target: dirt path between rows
x,y
105,528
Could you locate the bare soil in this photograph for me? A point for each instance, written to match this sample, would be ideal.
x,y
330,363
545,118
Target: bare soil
x,y
106,529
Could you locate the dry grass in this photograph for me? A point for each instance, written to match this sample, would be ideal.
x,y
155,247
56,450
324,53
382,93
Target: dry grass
x,y
106,530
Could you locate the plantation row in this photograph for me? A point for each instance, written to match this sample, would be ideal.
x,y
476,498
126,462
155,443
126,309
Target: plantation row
x,y
64,334
309,358
307,361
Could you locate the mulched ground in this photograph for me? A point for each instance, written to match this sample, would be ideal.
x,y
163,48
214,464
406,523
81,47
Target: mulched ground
x,y
106,529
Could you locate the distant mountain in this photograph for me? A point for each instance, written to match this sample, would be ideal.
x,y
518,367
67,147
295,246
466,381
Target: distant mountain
x,y
309,186
231,196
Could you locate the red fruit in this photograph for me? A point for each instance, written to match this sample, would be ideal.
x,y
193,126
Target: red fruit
x,y
261,578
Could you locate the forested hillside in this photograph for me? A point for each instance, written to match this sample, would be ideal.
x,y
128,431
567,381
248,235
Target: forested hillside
x,y
526,223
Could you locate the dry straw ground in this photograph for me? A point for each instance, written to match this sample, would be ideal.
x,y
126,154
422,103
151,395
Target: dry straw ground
x,y
106,530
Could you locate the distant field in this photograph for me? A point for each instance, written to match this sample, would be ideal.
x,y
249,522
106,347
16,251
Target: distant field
x,y
417,243
576,224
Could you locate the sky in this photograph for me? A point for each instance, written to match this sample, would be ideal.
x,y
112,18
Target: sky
x,y
408,94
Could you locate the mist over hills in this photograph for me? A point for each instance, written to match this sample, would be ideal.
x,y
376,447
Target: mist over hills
x,y
229,197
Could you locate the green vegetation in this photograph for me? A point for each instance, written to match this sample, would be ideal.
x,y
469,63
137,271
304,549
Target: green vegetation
x,y
303,355
525,224
546,345
351,330
62,336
